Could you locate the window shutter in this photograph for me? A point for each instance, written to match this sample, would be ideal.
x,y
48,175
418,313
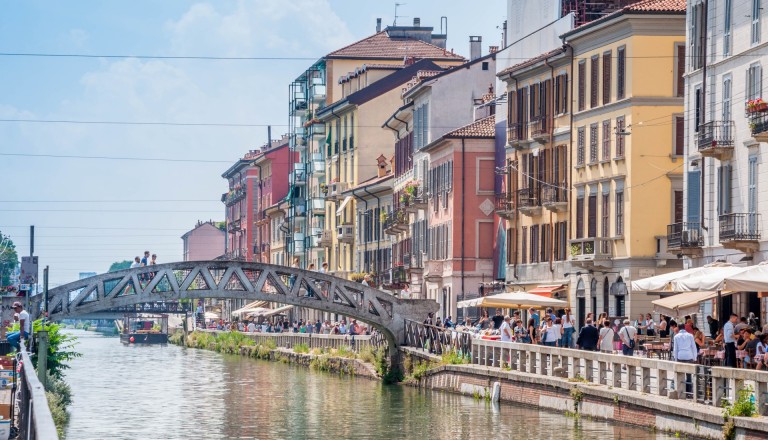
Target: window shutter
x,y
621,72
425,124
564,89
694,196
594,86
580,217
606,78
557,96
679,135
513,104
582,85
592,220
680,70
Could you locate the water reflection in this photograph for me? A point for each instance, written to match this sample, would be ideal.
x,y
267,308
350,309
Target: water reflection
x,y
166,392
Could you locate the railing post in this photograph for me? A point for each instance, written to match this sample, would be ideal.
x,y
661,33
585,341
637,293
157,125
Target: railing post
x,y
42,357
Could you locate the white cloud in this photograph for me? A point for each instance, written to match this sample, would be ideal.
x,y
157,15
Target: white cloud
x,y
78,37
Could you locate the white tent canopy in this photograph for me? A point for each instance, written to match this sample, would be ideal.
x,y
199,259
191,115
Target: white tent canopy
x,y
512,300
753,279
667,282
682,304
711,279
250,308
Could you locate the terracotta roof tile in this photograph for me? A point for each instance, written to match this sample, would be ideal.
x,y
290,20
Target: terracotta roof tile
x,y
482,128
657,6
382,46
416,80
532,61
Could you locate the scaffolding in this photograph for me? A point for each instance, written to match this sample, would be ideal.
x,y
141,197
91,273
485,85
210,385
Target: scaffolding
x,y
585,11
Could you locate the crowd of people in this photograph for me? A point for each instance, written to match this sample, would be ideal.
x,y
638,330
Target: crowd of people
x,y
738,342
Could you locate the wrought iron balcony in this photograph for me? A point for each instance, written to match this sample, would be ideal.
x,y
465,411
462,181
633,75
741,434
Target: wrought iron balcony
x,y
716,139
396,222
516,133
554,198
539,127
415,200
685,238
528,201
591,249
233,196
758,126
740,231
505,206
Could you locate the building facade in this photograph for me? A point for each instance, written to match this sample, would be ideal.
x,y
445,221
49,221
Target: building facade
x,y
273,164
204,242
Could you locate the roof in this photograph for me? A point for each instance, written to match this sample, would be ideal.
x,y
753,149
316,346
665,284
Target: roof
x,y
381,46
481,129
201,225
448,70
371,182
532,61
661,7
381,86
416,80
366,67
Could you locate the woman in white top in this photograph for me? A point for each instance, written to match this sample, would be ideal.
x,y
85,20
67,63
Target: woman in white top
x,y
605,341
506,330
552,332
650,325
567,320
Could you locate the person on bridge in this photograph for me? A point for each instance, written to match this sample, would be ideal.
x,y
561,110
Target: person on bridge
x,y
14,338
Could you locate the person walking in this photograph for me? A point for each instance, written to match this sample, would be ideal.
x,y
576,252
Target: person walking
x,y
605,340
568,329
506,330
588,337
628,336
14,338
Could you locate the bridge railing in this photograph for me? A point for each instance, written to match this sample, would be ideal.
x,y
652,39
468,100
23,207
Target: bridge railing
x,y
437,340
317,340
35,419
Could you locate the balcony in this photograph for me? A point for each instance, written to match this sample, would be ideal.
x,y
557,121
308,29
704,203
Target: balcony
x,y
539,128
345,233
295,246
317,206
685,238
505,206
395,222
326,239
317,128
299,175
313,239
233,225
740,231
554,198
396,277
300,142
413,198
233,196
528,201
299,107
298,209
716,139
316,164
758,126
336,190
515,134
592,249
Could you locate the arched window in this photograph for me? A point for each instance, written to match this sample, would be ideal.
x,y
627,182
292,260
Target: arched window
x,y
580,289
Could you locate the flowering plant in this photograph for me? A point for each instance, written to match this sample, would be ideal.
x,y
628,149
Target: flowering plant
x,y
411,187
756,105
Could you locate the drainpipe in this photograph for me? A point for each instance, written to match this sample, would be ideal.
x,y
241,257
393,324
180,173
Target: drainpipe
x,y
463,210
570,146
259,198
338,121
703,159
365,242
551,120
378,205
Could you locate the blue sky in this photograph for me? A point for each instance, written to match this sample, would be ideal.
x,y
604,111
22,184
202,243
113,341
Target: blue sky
x,y
91,195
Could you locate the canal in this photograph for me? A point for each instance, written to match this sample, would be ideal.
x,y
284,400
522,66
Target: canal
x,y
168,392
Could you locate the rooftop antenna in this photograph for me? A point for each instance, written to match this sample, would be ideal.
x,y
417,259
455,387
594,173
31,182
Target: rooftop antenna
x,y
398,16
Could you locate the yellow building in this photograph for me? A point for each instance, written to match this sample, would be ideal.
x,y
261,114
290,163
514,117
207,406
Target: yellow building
x,y
535,200
626,152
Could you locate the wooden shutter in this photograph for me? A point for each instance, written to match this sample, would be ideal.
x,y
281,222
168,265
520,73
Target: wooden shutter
x,y
512,103
678,209
557,96
548,100
582,85
680,70
594,85
564,92
524,245
679,135
606,78
580,217
592,216
621,66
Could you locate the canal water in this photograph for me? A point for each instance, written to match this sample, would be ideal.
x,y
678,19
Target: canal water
x,y
168,392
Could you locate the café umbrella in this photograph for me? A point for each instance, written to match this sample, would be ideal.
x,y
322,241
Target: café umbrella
x,y
518,300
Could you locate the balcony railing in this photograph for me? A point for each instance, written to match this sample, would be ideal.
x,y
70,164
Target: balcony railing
x,y
553,197
539,127
527,200
716,139
317,206
740,227
326,239
335,190
415,200
505,206
758,126
396,222
589,249
515,133
233,196
298,177
686,235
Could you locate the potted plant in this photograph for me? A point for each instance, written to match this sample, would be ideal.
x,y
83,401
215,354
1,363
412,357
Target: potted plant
x,y
324,188
575,250
757,105
383,216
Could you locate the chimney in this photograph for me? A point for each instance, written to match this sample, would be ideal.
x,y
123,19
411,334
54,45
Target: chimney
x,y
382,163
475,47
378,25
493,49
416,22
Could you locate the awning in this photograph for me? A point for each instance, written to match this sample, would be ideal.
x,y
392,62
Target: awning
x,y
518,300
549,290
250,307
753,279
211,315
663,282
682,304
343,205
711,279
278,311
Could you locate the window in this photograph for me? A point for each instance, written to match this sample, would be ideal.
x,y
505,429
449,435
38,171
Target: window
x,y
694,197
756,21
535,244
580,147
752,189
421,126
592,216
561,94
605,215
620,137
524,245
698,116
582,85
580,217
697,36
754,81
679,136
546,237
680,80
593,143
594,82
620,210
621,71
726,103
724,189
727,27
485,65
606,140
606,77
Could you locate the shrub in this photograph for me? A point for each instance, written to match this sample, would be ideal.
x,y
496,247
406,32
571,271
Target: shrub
x,y
744,406
301,348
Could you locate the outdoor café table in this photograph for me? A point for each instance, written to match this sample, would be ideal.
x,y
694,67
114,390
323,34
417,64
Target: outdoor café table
x,y
710,356
660,350
491,337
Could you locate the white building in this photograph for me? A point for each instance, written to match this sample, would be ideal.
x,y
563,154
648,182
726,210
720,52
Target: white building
x,y
724,194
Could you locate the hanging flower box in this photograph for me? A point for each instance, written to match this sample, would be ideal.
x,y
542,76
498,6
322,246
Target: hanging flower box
x,y
756,105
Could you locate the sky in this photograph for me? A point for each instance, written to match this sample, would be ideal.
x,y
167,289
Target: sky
x,y
91,211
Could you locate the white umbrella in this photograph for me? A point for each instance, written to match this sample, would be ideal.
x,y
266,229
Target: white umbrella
x,y
753,279
512,300
665,281
712,279
686,303
211,315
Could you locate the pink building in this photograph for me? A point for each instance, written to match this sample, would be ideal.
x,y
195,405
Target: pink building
x,y
460,224
274,165
204,242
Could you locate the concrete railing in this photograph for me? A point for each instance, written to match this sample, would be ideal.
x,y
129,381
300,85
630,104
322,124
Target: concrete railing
x,y
317,340
706,385
35,418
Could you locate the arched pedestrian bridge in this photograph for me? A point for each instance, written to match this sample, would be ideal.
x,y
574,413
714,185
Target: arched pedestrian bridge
x,y
237,280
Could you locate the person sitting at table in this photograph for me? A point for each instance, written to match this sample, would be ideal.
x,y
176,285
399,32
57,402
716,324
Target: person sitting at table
x,y
750,346
698,337
760,351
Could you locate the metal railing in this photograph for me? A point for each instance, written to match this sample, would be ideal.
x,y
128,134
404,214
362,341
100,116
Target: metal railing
x,y
527,198
758,123
35,419
740,226
437,340
684,235
316,340
552,194
539,127
505,206
716,134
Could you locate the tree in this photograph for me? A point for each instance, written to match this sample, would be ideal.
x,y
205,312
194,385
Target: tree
x,y
120,265
9,259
